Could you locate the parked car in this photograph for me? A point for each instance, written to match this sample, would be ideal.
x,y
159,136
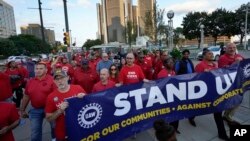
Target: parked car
x,y
214,49
17,58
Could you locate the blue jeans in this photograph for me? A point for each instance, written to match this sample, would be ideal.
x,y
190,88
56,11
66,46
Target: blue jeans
x,y
36,117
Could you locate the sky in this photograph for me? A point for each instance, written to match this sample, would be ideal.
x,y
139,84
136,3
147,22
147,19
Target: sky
x,y
83,17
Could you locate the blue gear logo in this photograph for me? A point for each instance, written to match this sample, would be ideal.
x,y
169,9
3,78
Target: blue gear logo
x,y
246,70
90,115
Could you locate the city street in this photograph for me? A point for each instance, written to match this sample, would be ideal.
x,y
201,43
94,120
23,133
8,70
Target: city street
x,y
204,123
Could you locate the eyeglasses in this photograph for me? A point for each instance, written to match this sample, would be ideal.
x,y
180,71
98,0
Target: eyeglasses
x,y
129,58
112,69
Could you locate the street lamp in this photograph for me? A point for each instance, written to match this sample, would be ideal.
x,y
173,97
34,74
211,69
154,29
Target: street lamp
x,y
170,15
202,35
247,7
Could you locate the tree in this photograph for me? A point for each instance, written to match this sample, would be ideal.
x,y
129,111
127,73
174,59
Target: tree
x,y
178,39
89,43
29,44
154,23
240,22
130,34
221,22
7,48
191,25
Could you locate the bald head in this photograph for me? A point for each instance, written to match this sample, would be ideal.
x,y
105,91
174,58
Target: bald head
x,y
105,56
104,75
130,58
231,49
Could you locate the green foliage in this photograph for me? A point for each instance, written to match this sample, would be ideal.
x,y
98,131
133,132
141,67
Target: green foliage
x,y
176,54
154,23
191,25
7,48
89,43
178,40
131,32
23,44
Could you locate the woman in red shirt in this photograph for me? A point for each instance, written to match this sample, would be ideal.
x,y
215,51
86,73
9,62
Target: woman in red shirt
x,y
168,70
164,73
114,74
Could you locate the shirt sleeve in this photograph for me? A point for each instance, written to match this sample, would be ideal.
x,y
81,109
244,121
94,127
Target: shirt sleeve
x,y
50,106
177,66
141,74
14,116
199,68
26,92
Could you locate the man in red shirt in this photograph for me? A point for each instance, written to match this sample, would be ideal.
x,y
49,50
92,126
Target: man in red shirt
x,y
158,62
145,65
9,119
104,82
37,91
205,66
56,104
131,73
16,81
230,57
85,76
67,67
5,87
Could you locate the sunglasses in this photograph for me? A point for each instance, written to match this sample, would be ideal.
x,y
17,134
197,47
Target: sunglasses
x,y
113,69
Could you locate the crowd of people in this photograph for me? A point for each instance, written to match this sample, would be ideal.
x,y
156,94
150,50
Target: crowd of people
x,y
47,83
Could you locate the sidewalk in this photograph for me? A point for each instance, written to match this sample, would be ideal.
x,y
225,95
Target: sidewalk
x,y
205,131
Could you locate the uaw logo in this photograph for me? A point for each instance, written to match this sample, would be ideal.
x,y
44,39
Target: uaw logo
x,y
246,71
90,115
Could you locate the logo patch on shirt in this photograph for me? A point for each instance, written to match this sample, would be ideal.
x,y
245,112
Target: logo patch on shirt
x,y
55,99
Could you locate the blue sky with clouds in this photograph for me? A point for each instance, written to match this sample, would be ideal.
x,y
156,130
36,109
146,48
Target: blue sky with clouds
x,y
83,18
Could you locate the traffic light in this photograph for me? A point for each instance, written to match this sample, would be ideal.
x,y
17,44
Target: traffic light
x,y
66,38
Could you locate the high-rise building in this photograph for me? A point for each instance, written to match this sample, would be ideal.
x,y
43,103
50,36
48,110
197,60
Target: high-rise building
x,y
143,6
7,20
35,29
112,17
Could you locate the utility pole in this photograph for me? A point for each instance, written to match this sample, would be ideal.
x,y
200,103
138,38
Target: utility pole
x,y
41,18
247,8
66,15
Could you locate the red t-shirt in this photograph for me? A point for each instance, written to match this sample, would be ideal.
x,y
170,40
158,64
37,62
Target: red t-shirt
x,y
164,73
52,104
9,115
226,60
15,72
5,87
38,90
146,67
100,87
114,79
203,65
92,64
158,66
24,72
85,78
132,74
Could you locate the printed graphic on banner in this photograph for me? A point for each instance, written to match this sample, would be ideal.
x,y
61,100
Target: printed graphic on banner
x,y
118,113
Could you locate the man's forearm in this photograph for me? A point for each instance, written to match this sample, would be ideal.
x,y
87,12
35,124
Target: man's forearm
x,y
13,125
24,103
54,115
